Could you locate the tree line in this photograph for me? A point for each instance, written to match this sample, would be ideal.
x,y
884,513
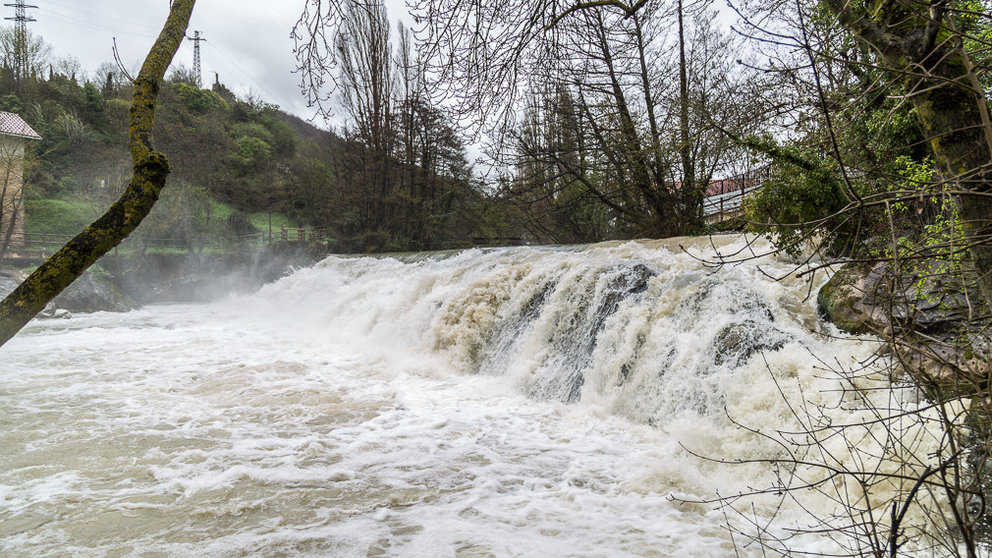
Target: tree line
x,y
396,180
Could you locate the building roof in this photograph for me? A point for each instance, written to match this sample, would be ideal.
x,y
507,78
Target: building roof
x,y
13,125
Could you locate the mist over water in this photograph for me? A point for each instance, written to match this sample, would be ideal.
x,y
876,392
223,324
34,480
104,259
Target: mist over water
x,y
516,402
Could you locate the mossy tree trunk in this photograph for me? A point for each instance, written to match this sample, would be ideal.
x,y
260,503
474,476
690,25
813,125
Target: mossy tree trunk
x,y
149,175
919,44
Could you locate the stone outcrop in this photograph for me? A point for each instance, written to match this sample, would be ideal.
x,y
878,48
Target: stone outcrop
x,y
90,293
9,280
186,278
932,323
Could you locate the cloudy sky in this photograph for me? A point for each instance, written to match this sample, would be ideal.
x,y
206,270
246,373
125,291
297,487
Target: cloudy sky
x,y
248,41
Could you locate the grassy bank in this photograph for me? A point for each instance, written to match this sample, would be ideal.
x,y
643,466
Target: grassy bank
x,y
70,216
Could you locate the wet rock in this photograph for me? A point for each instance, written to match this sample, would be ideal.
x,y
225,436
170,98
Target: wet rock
x,y
842,301
577,330
87,294
860,299
93,294
55,314
7,285
737,342
628,281
927,316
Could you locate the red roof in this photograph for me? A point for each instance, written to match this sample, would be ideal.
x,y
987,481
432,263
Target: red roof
x,y
13,125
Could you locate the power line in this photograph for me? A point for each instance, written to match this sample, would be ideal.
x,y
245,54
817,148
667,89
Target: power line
x,y
77,22
197,69
106,21
21,19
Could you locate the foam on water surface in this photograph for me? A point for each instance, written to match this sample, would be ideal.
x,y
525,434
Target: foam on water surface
x,y
521,402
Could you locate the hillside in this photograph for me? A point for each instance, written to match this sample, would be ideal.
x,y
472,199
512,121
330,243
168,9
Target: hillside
x,y
239,166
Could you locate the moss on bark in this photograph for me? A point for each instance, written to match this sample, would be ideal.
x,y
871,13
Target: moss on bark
x,y
149,175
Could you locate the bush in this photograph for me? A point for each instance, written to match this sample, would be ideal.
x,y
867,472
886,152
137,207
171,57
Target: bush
x,y
199,101
239,224
795,202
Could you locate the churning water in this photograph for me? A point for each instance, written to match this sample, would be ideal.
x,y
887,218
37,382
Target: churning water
x,y
518,402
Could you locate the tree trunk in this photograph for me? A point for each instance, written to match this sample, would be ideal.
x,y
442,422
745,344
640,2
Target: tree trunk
x,y
149,175
919,43
688,187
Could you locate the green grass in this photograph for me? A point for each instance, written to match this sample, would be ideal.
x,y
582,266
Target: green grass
x,y
51,216
261,221
56,216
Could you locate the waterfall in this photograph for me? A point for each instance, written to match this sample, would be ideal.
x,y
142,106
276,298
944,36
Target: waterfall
x,y
507,402
644,328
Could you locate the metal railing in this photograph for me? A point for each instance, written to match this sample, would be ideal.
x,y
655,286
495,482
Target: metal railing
x,y
717,207
45,243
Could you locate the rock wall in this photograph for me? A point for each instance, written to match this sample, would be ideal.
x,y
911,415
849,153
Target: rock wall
x,y
934,322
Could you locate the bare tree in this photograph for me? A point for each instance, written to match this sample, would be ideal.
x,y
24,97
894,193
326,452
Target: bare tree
x,y
25,56
643,115
367,83
11,194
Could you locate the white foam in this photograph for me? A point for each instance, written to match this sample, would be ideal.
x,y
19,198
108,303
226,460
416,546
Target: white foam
x,y
371,407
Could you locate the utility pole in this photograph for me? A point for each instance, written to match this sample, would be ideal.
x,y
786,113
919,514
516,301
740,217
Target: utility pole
x,y
22,60
197,70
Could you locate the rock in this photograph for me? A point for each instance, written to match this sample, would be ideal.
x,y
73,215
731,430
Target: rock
x,y
54,314
87,294
7,285
737,342
842,301
9,280
628,281
92,294
927,317
860,299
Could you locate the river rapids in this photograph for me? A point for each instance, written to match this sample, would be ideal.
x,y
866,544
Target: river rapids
x,y
516,402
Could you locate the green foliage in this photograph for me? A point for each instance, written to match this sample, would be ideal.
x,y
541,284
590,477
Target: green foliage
x,y
199,101
10,103
251,153
794,201
252,130
283,137
53,216
92,99
246,162
936,246
239,224
116,113
913,179
260,221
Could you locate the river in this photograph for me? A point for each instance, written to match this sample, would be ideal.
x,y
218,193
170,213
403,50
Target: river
x,y
517,402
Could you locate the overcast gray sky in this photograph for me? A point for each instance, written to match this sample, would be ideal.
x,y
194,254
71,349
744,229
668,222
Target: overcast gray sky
x,y
248,41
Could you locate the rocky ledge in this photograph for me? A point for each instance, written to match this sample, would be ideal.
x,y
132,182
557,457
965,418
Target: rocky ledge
x,y
934,324
89,293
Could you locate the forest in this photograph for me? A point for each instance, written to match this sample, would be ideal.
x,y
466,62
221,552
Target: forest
x,y
608,124
237,157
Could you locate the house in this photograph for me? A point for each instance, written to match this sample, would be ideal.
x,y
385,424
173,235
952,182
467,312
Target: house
x,y
14,136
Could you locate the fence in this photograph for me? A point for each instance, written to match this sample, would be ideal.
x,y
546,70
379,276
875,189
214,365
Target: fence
x,y
727,203
44,244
